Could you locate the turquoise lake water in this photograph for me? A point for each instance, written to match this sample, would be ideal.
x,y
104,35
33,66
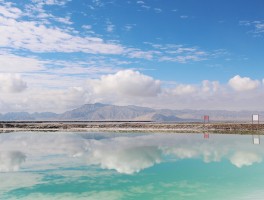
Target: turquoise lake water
x,y
117,166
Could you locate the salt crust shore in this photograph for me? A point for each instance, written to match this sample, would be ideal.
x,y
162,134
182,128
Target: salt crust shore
x,y
227,128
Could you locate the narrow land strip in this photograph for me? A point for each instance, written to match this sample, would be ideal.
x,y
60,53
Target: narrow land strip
x,y
229,128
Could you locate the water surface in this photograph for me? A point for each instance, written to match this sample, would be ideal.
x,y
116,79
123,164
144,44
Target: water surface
x,y
117,166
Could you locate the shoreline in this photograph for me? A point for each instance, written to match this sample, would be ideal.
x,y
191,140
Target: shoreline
x,y
151,127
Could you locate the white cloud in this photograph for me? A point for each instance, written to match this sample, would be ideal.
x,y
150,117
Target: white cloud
x,y
10,12
183,58
88,27
67,85
243,83
182,152
129,27
78,68
180,53
11,160
184,16
12,83
110,27
136,53
210,86
98,3
126,83
145,7
257,26
56,100
51,2
206,86
10,63
157,10
124,158
184,49
260,27
183,89
41,36
240,159
37,10
50,92
64,20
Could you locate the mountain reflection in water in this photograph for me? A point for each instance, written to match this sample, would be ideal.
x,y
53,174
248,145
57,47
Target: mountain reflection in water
x,y
130,166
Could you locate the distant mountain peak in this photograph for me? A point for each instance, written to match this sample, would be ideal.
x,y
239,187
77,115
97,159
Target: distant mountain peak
x,y
104,112
94,105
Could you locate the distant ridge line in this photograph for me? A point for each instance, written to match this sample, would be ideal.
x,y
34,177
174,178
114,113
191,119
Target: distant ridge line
x,y
101,113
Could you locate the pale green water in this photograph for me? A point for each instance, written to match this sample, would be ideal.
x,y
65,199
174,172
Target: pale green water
x,y
130,166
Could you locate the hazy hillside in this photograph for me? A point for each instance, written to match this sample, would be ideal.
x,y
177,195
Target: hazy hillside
x,y
105,112
20,116
101,112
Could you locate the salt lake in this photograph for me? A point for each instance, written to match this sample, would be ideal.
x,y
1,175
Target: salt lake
x,y
113,166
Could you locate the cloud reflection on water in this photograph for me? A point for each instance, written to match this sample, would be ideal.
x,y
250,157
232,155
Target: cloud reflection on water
x,y
123,154
11,160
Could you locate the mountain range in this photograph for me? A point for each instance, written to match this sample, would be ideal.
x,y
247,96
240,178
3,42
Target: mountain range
x,y
106,112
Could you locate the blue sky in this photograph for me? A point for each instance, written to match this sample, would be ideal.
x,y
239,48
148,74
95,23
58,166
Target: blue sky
x,y
58,54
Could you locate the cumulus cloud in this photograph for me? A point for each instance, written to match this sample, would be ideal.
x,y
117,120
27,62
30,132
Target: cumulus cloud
x,y
66,91
127,159
12,83
183,89
210,86
240,159
243,83
11,160
126,83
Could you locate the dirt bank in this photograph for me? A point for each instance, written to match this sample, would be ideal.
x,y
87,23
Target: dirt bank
x,y
132,126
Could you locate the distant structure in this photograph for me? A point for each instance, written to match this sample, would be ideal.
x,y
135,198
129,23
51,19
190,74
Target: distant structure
x,y
206,119
256,139
206,135
255,118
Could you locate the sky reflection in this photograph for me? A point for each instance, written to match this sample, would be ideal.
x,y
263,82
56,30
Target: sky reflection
x,y
81,165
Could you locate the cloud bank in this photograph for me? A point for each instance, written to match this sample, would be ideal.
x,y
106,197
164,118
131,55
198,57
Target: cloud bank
x,y
126,83
127,87
243,83
12,83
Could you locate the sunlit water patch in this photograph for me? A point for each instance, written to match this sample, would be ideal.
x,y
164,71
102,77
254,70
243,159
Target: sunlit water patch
x,y
130,166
